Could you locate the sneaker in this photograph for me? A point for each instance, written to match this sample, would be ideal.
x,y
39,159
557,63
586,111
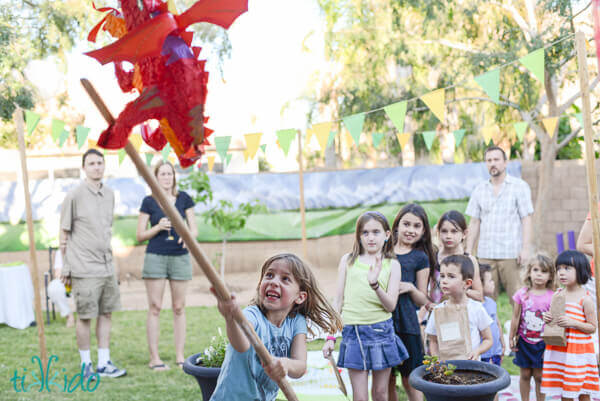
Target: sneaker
x,y
88,373
110,370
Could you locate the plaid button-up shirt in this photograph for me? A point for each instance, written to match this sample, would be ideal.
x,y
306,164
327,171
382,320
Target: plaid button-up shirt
x,y
500,231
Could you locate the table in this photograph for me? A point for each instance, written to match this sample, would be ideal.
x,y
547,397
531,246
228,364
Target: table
x,y
16,296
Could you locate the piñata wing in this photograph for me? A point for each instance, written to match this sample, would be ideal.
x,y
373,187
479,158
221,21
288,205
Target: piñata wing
x,y
218,12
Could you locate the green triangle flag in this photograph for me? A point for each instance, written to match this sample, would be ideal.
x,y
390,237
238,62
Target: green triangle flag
x,y
228,159
31,121
490,83
149,157
396,112
165,152
534,62
57,128
520,128
354,123
332,135
579,117
428,136
285,138
121,156
81,134
222,144
64,135
459,134
263,148
377,138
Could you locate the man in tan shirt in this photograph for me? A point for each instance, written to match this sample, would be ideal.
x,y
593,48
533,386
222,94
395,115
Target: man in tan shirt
x,y
85,233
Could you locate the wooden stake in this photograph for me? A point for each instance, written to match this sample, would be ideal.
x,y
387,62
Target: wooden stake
x,y
302,211
33,266
589,156
190,242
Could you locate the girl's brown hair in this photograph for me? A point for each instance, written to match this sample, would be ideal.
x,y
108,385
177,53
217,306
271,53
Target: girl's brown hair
x,y
388,247
161,163
546,264
315,307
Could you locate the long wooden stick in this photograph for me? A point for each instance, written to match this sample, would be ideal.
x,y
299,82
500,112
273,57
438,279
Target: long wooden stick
x,y
190,242
33,266
302,211
589,156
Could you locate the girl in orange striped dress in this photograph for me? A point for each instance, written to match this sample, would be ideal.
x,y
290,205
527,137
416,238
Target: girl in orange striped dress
x,y
572,371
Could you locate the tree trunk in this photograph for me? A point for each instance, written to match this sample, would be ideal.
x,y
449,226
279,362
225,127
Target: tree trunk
x,y
223,247
545,171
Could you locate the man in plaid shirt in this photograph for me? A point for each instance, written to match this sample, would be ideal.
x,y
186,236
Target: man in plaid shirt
x,y
500,210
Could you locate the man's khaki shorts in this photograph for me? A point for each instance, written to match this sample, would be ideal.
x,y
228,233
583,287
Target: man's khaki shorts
x,y
96,296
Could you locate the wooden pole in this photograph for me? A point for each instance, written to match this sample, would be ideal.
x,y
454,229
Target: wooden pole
x,y
589,156
190,242
302,211
33,266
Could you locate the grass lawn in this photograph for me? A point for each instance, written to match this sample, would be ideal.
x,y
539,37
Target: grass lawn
x,y
128,350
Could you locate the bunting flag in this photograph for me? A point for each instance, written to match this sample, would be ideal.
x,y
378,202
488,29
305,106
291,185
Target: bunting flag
x,y
165,152
149,157
222,144
263,147
228,159
332,135
520,129
354,124
31,121
321,131
550,124
403,139
396,112
58,127
435,100
252,143
579,117
81,134
136,141
121,155
64,135
210,160
93,144
377,138
534,62
459,134
487,133
428,136
285,137
490,83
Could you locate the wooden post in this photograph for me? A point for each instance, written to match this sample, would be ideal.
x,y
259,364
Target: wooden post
x,y
302,211
589,155
190,242
33,266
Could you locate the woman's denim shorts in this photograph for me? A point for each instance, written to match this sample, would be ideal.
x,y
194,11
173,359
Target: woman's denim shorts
x,y
371,347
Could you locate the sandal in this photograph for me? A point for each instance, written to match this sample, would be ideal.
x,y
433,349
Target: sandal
x,y
160,367
180,364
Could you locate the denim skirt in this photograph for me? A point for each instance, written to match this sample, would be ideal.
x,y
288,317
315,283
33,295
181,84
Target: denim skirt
x,y
371,347
529,355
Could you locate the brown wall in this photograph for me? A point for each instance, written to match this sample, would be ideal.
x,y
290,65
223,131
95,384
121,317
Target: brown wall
x,y
566,210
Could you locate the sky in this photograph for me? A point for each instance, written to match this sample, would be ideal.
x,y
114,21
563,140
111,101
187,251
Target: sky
x,y
276,47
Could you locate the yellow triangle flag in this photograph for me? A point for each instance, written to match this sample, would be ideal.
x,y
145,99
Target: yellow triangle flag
x,y
171,7
435,100
487,134
403,138
252,144
321,131
91,144
246,155
550,124
136,141
309,133
211,162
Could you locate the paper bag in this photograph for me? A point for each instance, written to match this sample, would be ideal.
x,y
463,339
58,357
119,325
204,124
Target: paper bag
x,y
554,334
453,333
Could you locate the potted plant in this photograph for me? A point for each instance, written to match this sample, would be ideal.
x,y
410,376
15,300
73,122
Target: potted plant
x,y
459,380
206,366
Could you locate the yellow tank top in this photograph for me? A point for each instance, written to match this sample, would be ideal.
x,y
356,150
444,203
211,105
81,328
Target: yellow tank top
x,y
361,303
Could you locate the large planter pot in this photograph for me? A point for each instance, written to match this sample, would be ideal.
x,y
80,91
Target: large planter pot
x,y
206,377
474,392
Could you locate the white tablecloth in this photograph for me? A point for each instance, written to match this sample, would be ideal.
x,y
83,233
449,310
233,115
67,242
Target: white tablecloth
x,y
16,296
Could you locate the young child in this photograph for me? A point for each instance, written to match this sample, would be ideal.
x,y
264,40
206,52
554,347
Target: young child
x,y
367,292
411,236
456,277
452,232
287,294
572,371
530,302
496,352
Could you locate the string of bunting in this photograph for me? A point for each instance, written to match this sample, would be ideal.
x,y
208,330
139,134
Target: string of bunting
x,y
435,100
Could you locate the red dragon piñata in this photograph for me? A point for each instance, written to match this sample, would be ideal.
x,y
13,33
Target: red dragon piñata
x,y
169,77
